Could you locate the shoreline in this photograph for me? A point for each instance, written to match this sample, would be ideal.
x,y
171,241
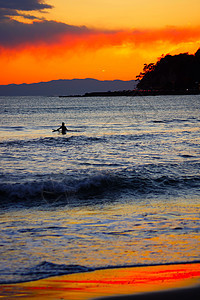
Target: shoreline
x,y
135,92
159,282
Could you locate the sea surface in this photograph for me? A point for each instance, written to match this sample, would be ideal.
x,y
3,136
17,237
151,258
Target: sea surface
x,y
121,188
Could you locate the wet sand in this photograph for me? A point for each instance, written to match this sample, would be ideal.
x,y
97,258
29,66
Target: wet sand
x,y
175,294
180,281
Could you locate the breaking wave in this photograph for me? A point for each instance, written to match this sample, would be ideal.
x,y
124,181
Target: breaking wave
x,y
65,189
48,269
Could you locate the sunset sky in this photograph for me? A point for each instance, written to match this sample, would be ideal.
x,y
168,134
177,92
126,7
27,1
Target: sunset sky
x,y
102,39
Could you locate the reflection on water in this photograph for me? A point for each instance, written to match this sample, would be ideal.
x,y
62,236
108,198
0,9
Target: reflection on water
x,y
127,233
120,188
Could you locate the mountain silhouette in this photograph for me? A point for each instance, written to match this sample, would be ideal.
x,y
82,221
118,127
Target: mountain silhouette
x,y
65,87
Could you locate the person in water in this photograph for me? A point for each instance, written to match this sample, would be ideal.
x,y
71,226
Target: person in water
x,y
63,128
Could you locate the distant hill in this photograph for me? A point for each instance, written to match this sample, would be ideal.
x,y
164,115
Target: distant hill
x,y
65,87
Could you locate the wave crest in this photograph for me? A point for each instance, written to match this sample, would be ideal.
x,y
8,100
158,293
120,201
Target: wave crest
x,y
66,189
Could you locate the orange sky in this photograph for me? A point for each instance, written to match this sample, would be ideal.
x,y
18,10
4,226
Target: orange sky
x,y
102,39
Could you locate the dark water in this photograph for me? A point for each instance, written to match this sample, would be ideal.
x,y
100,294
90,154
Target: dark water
x,y
122,187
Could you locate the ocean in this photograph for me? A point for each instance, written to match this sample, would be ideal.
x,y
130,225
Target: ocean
x,y
120,188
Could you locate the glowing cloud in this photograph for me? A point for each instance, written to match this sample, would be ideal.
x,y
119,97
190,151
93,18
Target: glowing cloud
x,y
16,34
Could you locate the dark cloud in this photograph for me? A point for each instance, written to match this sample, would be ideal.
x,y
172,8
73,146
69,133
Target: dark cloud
x,y
26,5
9,8
31,17
14,33
8,13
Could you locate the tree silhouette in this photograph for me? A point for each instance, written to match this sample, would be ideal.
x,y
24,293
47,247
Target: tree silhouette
x,y
172,73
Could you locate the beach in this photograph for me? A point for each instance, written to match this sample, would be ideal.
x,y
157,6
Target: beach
x,y
150,282
99,150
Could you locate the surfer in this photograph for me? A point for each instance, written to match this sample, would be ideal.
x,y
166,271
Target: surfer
x,y
63,128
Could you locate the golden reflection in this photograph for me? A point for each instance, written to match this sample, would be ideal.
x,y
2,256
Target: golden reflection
x,y
108,282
